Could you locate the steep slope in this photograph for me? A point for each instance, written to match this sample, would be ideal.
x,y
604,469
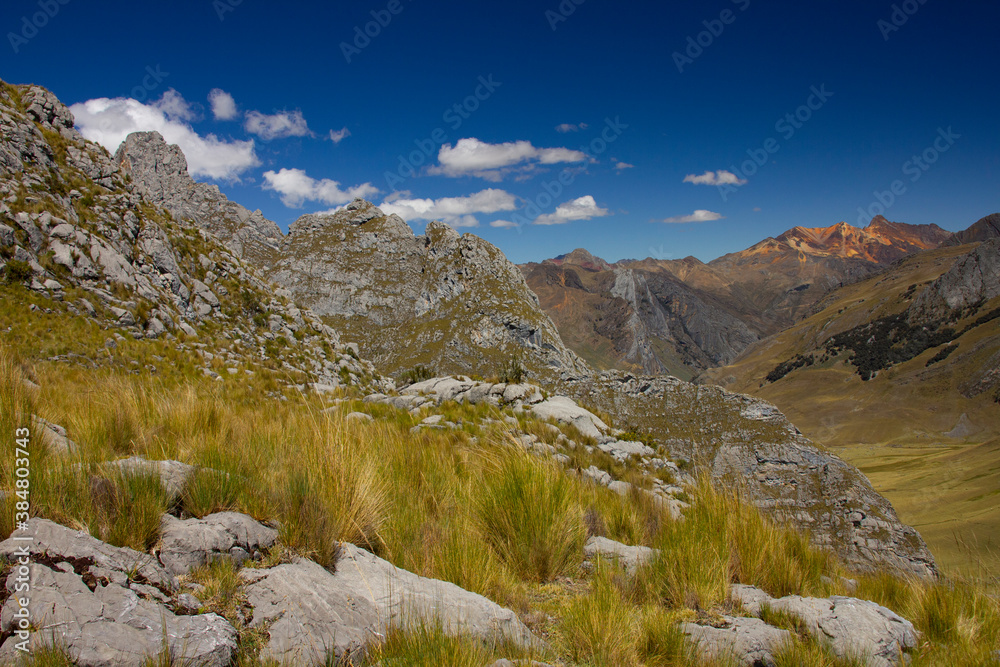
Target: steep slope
x,y
898,374
75,231
683,316
984,229
453,303
644,320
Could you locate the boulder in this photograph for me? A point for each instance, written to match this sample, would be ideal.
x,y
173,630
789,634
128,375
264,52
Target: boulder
x,y
54,437
631,558
310,612
565,411
747,641
104,605
852,627
173,475
185,545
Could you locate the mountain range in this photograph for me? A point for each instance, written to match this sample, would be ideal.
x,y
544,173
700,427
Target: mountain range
x,y
684,316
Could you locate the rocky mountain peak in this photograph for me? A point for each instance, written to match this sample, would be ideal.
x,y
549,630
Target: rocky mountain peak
x,y
159,171
983,229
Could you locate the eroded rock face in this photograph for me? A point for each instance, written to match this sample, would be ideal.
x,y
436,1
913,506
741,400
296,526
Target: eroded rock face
x,y
974,278
449,300
105,605
746,443
311,613
160,173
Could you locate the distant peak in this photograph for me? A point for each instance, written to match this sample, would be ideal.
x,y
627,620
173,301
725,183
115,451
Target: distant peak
x,y
581,257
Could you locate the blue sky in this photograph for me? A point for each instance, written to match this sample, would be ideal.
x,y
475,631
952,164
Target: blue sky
x,y
581,123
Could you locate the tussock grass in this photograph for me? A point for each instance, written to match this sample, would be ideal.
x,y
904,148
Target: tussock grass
x,y
123,509
724,541
529,513
430,644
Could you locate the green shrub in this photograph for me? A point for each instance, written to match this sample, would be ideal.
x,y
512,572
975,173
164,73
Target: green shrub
x,y
17,271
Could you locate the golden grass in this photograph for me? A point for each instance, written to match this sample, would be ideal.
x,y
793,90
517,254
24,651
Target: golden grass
x,y
482,514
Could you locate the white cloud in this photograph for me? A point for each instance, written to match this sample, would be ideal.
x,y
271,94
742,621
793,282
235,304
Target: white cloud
x,y
455,211
622,166
492,161
570,127
108,121
276,126
296,187
699,215
504,224
175,106
223,105
336,136
583,208
721,177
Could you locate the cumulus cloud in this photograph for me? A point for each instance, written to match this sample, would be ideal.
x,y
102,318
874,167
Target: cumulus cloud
x,y
583,208
721,177
699,215
570,127
455,211
276,126
223,105
504,224
472,157
175,106
296,187
108,121
336,136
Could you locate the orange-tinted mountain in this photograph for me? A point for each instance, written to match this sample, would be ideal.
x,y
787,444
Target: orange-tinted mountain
x,y
683,316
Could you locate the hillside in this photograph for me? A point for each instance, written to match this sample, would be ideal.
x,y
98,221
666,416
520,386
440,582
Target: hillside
x,y
897,374
683,316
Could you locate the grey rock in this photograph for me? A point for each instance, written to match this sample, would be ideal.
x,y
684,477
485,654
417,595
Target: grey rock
x,y
622,450
629,557
310,612
749,641
7,237
185,545
565,411
111,624
54,437
173,475
359,416
58,543
853,627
